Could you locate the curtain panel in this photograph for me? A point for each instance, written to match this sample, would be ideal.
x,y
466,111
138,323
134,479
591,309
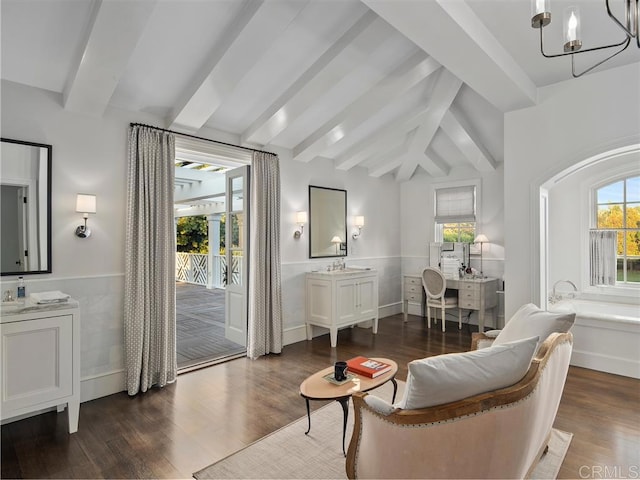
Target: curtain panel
x,y
150,252
265,295
603,245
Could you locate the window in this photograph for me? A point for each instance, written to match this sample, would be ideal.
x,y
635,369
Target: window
x,y
617,207
455,214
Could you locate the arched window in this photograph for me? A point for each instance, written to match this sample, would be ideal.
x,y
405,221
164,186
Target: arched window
x,y
617,208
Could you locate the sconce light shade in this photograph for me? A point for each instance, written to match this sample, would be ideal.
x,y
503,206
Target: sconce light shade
x,y
301,219
85,204
358,222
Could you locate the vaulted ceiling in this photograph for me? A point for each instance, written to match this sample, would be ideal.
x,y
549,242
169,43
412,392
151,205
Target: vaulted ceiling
x,y
393,86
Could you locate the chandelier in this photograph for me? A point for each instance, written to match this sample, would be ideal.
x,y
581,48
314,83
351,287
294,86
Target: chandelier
x,y
541,17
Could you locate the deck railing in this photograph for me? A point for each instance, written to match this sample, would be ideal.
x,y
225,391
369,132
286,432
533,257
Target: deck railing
x,y
194,268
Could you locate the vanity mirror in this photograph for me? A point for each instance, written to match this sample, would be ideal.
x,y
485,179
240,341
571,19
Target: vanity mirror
x,y
25,217
327,222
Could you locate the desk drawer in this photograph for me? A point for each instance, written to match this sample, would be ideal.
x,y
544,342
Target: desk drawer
x,y
413,281
411,288
469,287
469,304
468,295
413,297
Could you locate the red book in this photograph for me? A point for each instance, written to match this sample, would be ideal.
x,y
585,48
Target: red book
x,y
367,367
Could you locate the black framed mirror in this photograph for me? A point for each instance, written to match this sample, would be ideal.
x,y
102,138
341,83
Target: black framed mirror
x,y
327,222
25,216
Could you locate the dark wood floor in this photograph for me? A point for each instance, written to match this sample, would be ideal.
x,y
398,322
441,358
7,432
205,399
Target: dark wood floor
x,y
210,413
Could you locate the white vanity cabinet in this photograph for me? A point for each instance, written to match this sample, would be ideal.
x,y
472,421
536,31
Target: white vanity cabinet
x,y
341,298
40,360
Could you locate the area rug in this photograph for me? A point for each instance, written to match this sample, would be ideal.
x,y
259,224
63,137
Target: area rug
x,y
290,454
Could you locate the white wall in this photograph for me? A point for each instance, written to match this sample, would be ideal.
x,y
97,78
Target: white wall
x,y
89,156
574,120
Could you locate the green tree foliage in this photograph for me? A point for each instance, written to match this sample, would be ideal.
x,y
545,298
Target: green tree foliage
x,y
612,217
192,235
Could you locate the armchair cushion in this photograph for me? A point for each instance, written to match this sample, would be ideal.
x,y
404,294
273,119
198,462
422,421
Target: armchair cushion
x,y
531,321
447,378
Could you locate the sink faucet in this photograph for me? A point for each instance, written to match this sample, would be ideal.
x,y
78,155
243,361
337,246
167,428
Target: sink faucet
x,y
555,297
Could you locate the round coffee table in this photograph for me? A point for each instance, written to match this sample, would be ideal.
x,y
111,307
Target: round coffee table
x,y
316,387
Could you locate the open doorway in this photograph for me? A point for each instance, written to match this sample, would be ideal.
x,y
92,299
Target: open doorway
x,y
203,243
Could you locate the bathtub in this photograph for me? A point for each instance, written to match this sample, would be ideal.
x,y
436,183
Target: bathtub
x,y
606,336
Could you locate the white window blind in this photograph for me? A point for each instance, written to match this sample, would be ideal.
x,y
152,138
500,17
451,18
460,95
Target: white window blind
x,y
456,204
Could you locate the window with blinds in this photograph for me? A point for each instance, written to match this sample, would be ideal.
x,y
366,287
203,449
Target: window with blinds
x,y
455,214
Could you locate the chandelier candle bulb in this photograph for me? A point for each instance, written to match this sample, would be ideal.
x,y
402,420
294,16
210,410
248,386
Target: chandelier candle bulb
x,y
572,29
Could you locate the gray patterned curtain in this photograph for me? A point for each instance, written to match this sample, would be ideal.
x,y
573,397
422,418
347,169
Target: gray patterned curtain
x,y
149,307
265,295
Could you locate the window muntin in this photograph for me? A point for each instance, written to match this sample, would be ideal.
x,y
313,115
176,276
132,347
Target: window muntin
x,y
618,208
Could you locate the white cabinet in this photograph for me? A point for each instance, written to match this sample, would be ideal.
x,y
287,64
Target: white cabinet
x,y
40,360
341,298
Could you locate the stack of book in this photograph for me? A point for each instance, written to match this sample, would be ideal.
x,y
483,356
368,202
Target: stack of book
x,y
367,367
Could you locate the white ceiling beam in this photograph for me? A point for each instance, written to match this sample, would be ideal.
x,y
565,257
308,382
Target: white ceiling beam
x,y
450,32
248,38
113,34
415,69
455,126
391,134
352,48
385,167
444,92
434,165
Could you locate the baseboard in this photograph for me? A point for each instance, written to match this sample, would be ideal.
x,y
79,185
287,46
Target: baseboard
x,y
101,385
294,334
605,363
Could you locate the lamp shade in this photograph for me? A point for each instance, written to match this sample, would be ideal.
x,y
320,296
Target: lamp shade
x,y
336,239
85,203
301,218
359,221
481,239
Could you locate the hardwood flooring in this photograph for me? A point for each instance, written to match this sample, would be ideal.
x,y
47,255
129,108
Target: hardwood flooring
x,y
210,413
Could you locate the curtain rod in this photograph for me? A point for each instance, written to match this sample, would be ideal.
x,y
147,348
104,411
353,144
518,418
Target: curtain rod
x,y
200,138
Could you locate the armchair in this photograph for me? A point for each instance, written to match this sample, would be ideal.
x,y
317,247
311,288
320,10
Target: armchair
x,y
496,434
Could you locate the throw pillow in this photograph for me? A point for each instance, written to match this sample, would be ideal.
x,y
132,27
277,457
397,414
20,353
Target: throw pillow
x,y
531,321
454,376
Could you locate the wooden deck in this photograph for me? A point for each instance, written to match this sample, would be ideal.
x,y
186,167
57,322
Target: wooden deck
x,y
200,326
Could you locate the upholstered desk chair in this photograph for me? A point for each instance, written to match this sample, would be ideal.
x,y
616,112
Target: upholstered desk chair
x,y
435,286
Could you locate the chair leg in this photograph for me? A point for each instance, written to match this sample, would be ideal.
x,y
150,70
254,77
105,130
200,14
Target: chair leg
x,y
443,319
428,316
459,319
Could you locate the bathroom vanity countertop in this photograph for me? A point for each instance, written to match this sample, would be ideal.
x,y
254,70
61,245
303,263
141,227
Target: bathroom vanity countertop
x,y
344,271
8,309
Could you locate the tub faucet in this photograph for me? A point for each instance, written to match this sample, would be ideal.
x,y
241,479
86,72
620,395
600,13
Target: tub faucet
x,y
555,297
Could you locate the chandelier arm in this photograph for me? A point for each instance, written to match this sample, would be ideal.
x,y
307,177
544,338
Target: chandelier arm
x,y
626,30
624,42
573,70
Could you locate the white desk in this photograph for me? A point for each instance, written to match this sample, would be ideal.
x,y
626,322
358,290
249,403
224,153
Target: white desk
x,y
473,294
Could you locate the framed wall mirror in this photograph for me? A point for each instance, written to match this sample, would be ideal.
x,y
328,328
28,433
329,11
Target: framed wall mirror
x,y
25,216
327,222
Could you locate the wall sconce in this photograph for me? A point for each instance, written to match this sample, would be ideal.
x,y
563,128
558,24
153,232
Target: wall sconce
x,y
85,204
301,219
359,222
481,239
